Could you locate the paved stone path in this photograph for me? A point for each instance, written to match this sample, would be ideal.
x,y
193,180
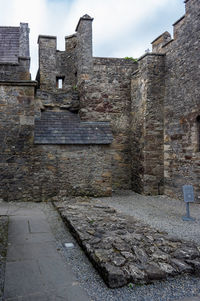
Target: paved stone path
x,y
35,270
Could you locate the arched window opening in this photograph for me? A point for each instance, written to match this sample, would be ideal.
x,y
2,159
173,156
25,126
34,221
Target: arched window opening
x,y
198,132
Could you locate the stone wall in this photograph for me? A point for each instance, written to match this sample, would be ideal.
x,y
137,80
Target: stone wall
x,y
182,105
19,71
66,68
106,96
165,110
61,171
153,106
147,91
31,172
103,86
55,65
47,62
16,137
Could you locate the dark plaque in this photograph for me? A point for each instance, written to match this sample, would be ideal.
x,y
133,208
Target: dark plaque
x,y
188,193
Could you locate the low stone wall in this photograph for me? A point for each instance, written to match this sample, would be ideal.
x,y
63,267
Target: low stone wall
x,y
123,249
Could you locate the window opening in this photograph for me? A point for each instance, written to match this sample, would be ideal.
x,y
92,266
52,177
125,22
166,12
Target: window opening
x,y
59,82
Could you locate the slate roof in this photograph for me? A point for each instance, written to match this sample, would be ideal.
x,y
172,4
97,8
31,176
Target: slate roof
x,y
67,128
9,44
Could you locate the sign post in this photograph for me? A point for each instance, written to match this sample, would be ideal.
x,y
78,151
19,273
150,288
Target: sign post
x,y
188,193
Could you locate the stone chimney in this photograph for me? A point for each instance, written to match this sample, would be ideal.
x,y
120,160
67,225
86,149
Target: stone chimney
x,y
84,47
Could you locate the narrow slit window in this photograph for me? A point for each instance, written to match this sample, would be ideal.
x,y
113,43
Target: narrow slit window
x,y
59,82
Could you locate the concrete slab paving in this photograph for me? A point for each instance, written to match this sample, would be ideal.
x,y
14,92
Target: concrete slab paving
x,y
57,276
21,209
65,293
35,269
32,251
32,297
22,278
18,225
38,225
31,238
4,209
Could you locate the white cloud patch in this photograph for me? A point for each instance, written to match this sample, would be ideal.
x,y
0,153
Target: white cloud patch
x,y
118,27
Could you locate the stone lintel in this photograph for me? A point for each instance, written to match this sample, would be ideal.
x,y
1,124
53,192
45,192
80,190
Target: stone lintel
x,y
18,83
84,18
46,37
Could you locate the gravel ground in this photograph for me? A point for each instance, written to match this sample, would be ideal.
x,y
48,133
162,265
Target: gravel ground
x,y
160,212
148,209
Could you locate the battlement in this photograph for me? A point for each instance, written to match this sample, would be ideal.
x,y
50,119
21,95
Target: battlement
x,y
161,41
70,42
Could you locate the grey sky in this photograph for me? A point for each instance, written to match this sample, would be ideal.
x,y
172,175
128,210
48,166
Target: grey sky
x,y
120,27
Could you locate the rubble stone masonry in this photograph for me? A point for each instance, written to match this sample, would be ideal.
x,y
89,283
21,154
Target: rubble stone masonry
x,y
182,106
106,97
151,108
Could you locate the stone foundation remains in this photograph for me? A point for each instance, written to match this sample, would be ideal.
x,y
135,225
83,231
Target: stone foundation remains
x,y
123,249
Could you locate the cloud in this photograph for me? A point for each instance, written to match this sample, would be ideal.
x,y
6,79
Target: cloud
x,y
120,28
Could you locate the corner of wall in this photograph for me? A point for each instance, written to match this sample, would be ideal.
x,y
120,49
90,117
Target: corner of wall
x,y
148,125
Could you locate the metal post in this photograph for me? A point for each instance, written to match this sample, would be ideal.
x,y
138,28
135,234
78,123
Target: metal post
x,y
188,217
188,198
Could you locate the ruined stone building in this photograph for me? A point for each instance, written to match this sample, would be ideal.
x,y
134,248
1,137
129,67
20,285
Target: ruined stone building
x,y
90,125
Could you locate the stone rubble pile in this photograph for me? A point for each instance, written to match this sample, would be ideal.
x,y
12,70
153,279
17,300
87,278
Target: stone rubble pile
x,y
123,249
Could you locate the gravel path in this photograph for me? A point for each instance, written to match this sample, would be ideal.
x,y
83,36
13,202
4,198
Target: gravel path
x,y
89,279
160,212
